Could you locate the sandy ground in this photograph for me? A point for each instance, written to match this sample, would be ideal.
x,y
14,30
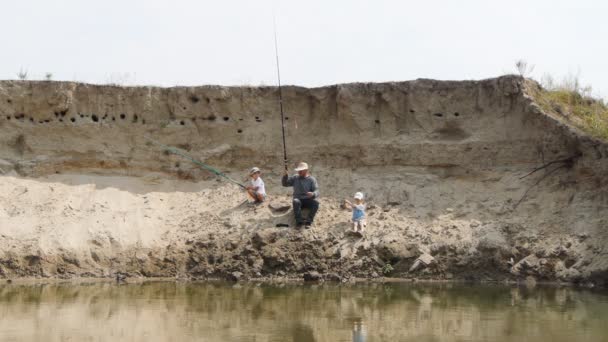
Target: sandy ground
x,y
70,225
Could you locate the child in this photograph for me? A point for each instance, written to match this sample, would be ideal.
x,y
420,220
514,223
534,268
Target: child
x,y
358,212
256,189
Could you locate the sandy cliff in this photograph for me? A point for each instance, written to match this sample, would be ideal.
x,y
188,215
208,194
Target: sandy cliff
x,y
445,167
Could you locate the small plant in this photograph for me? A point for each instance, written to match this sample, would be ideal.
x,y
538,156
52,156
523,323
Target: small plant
x,y
22,74
523,68
387,269
48,76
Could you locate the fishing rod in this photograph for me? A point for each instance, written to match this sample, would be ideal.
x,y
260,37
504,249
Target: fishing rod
x,y
195,161
276,52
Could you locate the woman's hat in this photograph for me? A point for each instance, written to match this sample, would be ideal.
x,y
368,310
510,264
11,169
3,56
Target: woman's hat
x,y
254,170
359,195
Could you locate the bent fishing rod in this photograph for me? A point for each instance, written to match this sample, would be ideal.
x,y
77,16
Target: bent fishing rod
x,y
195,161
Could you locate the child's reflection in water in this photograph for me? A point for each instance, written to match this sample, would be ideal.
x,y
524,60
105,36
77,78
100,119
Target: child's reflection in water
x,y
359,331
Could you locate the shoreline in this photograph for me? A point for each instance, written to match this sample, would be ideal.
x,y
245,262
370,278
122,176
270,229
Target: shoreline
x,y
29,281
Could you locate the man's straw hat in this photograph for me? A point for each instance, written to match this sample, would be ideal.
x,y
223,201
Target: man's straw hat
x,y
302,166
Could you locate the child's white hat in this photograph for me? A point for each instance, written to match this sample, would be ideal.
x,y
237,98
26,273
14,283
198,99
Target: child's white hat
x,y
359,195
254,170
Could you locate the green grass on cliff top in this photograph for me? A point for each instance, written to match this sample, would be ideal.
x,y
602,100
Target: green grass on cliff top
x,y
574,103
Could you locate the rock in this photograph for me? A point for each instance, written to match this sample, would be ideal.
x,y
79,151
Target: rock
x,y
415,265
234,276
263,238
279,206
423,260
312,276
333,277
492,240
426,258
533,265
395,251
120,277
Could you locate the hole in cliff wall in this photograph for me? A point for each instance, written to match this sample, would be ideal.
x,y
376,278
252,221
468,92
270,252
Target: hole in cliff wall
x,y
412,111
31,119
60,120
9,100
211,117
182,123
377,121
82,116
47,121
194,98
63,112
239,131
439,115
226,118
94,118
143,121
456,114
123,116
287,118
135,118
8,117
177,164
208,100
73,119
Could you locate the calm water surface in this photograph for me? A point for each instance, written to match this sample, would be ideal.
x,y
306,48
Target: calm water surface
x,y
249,312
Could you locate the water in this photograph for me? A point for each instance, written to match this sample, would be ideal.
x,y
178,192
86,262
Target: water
x,y
249,312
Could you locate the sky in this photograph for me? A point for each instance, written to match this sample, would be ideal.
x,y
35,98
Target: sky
x,y
196,42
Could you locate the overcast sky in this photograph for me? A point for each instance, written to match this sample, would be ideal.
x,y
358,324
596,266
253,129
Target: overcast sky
x,y
194,42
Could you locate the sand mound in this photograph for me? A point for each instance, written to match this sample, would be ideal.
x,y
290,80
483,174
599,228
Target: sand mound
x,y
445,167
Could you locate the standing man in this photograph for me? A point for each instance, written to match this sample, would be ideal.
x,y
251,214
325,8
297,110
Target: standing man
x,y
305,193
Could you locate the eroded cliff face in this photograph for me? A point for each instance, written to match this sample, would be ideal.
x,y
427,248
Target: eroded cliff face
x,y
52,126
444,166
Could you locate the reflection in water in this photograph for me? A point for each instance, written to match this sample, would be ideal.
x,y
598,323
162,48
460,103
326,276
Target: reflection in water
x,y
253,312
359,332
